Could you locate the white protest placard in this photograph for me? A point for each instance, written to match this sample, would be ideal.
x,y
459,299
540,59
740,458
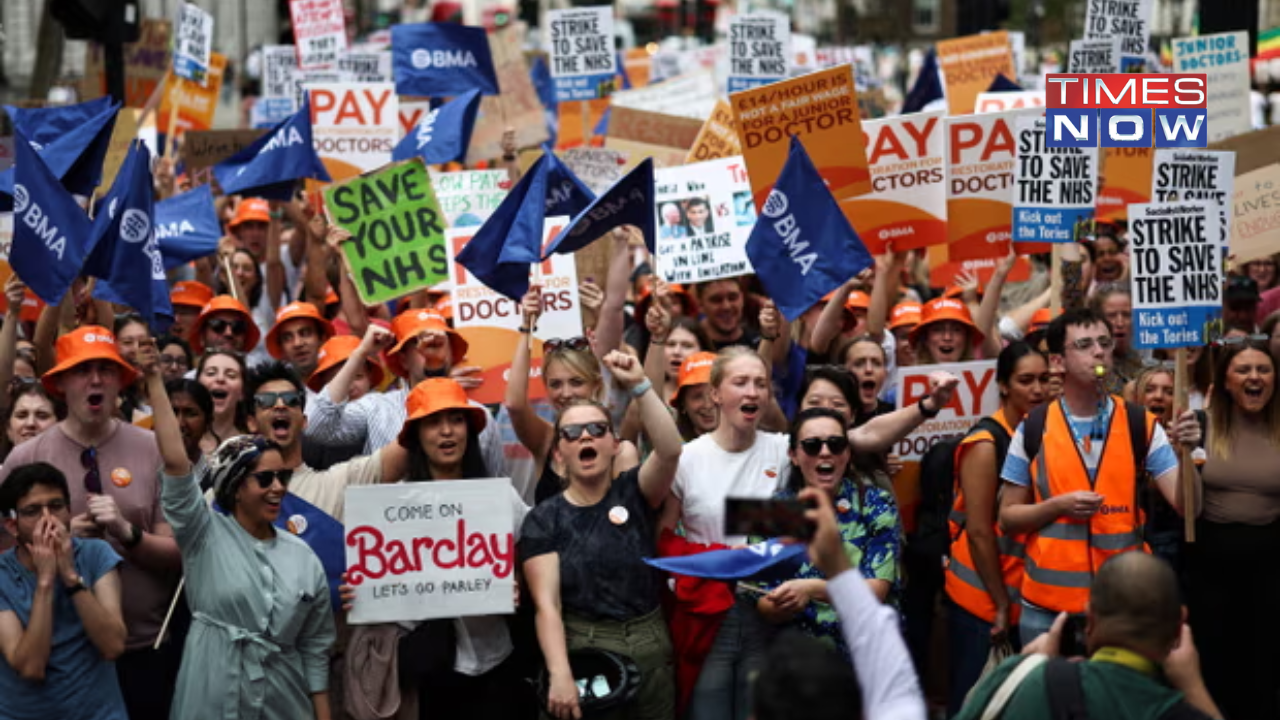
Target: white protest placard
x,y
193,44
365,66
1054,189
1224,59
1126,20
1176,263
1255,227
319,32
691,96
705,215
1094,56
279,66
1181,175
355,127
759,49
1013,100
584,64
597,168
469,197
908,202
424,550
974,398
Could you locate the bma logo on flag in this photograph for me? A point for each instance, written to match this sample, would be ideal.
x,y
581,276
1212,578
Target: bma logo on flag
x,y
423,59
38,221
426,127
777,206
135,226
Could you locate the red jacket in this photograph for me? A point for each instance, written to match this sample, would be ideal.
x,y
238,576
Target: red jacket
x,y
694,614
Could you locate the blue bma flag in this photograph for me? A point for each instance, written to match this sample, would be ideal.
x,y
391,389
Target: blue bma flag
x,y
928,85
734,564
628,202
50,231
73,146
441,60
802,246
443,134
126,255
271,166
510,241
322,533
187,227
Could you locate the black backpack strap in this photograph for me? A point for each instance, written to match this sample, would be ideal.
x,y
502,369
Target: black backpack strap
x,y
1066,694
1139,438
1033,431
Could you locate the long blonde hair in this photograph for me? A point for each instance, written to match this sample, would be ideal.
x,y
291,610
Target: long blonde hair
x,y
1221,415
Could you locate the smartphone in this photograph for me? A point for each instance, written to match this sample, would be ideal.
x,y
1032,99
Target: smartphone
x,y
1071,644
768,518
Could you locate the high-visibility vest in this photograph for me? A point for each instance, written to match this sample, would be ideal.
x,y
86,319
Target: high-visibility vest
x,y
964,585
1063,556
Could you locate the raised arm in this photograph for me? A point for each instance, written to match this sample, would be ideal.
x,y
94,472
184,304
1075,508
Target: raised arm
x,y
275,265
831,321
658,321
609,326
315,280
14,292
532,431
879,434
173,452
884,291
659,470
376,338
990,305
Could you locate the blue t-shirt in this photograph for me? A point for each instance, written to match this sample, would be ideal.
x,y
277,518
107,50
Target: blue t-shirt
x,y
79,684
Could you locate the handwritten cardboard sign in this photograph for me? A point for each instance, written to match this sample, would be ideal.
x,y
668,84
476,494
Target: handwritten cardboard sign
x,y
424,550
397,230
597,168
1255,227
653,128
202,149
1224,59
193,43
704,218
469,197
718,137
319,32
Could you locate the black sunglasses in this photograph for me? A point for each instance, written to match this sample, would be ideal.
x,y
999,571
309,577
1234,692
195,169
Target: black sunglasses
x,y
92,474
267,478
267,400
221,325
594,429
557,344
813,446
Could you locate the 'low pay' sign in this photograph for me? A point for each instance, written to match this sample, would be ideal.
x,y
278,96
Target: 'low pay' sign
x,y
397,230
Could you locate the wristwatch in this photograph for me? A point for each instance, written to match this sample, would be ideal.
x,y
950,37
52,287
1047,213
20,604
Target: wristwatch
x,y
73,589
928,414
135,537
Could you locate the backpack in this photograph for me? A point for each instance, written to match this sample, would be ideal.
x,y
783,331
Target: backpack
x,y
932,536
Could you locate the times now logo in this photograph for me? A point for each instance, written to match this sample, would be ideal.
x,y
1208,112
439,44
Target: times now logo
x,y
1126,110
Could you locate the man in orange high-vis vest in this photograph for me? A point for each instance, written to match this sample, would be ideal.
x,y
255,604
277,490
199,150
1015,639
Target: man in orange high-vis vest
x,y
1073,489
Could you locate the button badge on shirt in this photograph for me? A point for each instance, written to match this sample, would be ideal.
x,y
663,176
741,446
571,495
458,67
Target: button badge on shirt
x,y
296,524
843,505
121,477
618,515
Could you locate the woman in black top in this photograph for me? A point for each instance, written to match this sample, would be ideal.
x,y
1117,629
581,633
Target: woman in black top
x,y
582,550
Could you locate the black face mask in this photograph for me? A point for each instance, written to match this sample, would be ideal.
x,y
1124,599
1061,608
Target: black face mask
x,y
440,372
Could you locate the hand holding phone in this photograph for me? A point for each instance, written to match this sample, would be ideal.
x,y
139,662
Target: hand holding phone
x,y
769,518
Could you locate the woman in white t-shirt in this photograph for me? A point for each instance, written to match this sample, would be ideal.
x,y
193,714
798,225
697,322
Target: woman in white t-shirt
x,y
739,460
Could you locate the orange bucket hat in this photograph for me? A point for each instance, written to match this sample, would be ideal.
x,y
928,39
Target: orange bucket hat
x,y
1040,320
412,323
85,344
295,311
251,210
32,306
940,309
435,395
848,319
678,293
904,314
191,293
224,303
334,352
695,370
858,300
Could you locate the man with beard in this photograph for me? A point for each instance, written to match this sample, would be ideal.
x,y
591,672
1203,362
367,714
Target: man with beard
x,y
115,496
60,621
422,346
723,304
299,331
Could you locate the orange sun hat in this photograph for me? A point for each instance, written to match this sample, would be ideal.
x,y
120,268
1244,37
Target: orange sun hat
x,y
335,351
412,323
224,303
695,370
435,395
251,210
858,300
86,344
190,293
904,314
295,311
942,309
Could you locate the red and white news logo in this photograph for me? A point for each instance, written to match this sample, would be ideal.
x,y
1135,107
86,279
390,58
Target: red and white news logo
x,y
1126,110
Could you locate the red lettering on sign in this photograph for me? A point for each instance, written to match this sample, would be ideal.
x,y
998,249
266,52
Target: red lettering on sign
x,y
379,557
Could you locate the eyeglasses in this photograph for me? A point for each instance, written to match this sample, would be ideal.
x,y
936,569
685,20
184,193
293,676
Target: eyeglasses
x,y
170,360
813,446
1106,342
35,510
1235,340
557,345
594,429
267,400
92,475
221,325
267,478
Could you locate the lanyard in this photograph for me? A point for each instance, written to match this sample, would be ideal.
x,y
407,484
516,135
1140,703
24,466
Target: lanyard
x,y
1127,658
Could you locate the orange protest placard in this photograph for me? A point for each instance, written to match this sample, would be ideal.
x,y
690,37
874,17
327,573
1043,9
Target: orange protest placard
x,y
969,65
822,110
981,151
1126,178
717,138
908,203
196,103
